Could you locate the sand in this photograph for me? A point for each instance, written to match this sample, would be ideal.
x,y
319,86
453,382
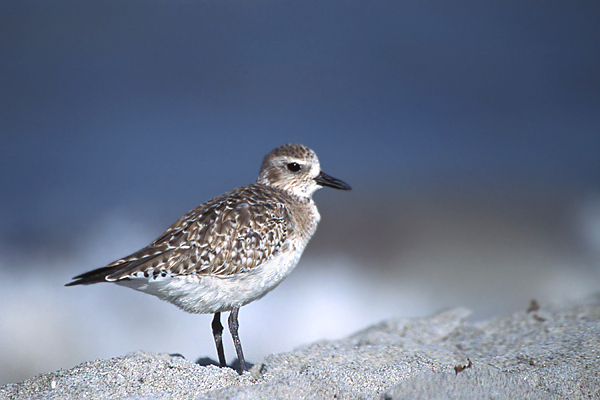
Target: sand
x,y
549,353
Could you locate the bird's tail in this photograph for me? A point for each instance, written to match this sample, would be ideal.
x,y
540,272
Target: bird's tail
x,y
95,276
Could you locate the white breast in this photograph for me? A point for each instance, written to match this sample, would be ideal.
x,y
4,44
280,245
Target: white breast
x,y
204,294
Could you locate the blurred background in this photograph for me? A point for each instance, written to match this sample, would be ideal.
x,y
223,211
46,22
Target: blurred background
x,y
468,130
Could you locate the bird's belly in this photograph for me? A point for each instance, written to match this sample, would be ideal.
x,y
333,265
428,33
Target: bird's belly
x,y
204,294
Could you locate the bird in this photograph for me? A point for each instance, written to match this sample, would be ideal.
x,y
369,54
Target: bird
x,y
233,249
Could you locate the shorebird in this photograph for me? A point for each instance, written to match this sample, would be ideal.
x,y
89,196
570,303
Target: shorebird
x,y
233,249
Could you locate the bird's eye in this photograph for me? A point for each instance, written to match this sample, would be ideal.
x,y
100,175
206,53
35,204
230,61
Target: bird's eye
x,y
294,167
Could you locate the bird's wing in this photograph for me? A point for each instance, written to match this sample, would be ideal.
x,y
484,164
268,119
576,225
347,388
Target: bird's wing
x,y
227,235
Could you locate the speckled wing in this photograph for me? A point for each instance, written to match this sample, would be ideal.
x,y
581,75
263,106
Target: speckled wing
x,y
227,235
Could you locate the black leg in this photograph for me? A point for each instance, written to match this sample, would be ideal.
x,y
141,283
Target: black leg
x,y
233,328
217,329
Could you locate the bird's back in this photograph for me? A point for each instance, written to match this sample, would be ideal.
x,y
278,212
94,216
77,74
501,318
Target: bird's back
x,y
228,235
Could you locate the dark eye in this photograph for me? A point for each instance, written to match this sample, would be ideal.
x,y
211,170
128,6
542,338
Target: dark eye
x,y
294,167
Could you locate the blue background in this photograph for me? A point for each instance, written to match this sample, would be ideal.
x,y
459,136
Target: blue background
x,y
469,131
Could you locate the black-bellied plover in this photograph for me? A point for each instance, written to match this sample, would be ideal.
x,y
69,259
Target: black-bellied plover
x,y
233,249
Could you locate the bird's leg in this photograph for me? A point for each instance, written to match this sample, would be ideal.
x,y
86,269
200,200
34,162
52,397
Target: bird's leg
x,y
217,329
233,328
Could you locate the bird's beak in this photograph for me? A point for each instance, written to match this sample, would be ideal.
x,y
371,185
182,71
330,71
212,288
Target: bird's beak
x,y
325,180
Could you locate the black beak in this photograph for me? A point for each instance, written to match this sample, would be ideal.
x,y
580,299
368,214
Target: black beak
x,y
325,180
